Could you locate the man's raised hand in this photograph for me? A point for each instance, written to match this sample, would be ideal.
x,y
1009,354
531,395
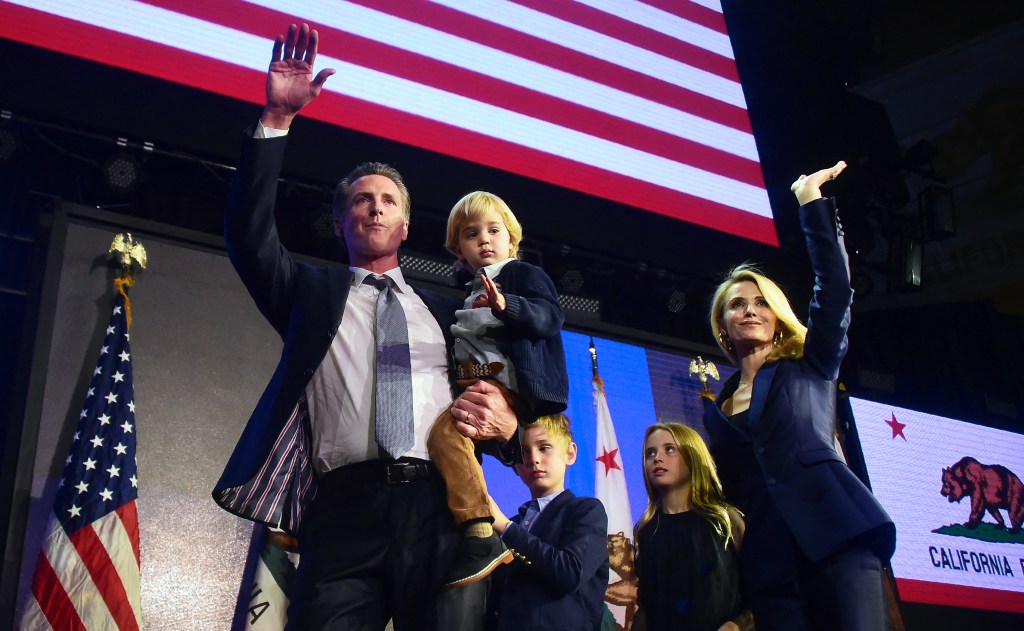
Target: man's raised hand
x,y
290,82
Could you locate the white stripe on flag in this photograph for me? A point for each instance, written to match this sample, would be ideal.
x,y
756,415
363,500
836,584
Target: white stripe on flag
x,y
186,33
610,49
664,22
33,618
75,580
693,139
111,531
422,40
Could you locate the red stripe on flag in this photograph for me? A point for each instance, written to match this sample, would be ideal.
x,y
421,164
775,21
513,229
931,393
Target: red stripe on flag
x,y
642,36
192,69
101,45
369,53
927,592
129,514
108,582
692,12
53,600
489,151
559,57
544,107
346,46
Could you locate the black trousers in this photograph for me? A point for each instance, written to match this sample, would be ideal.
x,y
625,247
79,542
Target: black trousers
x,y
373,551
842,592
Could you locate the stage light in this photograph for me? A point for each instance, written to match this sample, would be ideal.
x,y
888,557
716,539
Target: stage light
x,y
582,306
122,173
571,281
8,145
431,270
676,301
323,222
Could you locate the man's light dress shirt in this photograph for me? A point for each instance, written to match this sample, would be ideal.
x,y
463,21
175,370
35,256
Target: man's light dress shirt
x,y
339,396
340,393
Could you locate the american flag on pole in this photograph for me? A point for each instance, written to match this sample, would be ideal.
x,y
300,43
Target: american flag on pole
x,y
87,571
610,488
639,102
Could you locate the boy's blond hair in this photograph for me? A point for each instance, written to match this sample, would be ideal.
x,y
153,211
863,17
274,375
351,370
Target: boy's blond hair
x,y
474,204
558,427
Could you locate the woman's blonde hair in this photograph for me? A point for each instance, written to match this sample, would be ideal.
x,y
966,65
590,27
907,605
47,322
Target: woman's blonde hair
x,y
790,332
477,203
706,495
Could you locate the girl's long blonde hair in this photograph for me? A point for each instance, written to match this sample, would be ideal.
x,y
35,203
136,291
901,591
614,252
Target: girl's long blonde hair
x,y
789,342
705,488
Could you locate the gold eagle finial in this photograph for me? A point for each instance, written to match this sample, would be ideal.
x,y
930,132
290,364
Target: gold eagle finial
x,y
128,249
704,370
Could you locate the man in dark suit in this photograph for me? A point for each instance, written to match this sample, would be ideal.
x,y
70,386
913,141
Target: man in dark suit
x,y
561,542
373,528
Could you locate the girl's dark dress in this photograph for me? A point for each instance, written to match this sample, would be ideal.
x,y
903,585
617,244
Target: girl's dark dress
x,y
688,580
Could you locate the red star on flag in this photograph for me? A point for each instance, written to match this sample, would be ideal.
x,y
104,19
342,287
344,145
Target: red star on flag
x,y
609,460
897,428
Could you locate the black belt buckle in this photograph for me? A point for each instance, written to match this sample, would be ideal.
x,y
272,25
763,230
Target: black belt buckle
x,y
401,472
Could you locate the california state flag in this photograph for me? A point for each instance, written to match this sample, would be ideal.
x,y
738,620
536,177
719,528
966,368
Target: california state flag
x,y
267,609
610,488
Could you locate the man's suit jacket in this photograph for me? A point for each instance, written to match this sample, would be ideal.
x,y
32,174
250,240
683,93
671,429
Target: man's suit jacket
x,y
564,584
793,419
269,477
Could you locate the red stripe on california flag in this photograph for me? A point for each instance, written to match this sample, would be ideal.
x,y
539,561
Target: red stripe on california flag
x,y
129,514
912,590
52,598
692,12
96,559
254,19
641,36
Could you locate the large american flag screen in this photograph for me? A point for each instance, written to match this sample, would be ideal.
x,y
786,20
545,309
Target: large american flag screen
x,y
635,102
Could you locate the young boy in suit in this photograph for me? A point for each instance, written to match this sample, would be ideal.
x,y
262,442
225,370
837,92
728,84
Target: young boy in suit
x,y
509,334
559,539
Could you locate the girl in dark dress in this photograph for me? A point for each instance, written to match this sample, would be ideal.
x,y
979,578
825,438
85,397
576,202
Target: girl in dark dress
x,y
687,540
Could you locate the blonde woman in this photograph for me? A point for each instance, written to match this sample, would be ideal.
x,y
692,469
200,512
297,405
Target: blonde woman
x,y
816,538
687,539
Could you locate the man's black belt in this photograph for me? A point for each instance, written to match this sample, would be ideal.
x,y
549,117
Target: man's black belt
x,y
399,471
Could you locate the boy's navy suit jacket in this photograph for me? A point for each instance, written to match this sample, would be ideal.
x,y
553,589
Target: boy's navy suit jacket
x,y
563,585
